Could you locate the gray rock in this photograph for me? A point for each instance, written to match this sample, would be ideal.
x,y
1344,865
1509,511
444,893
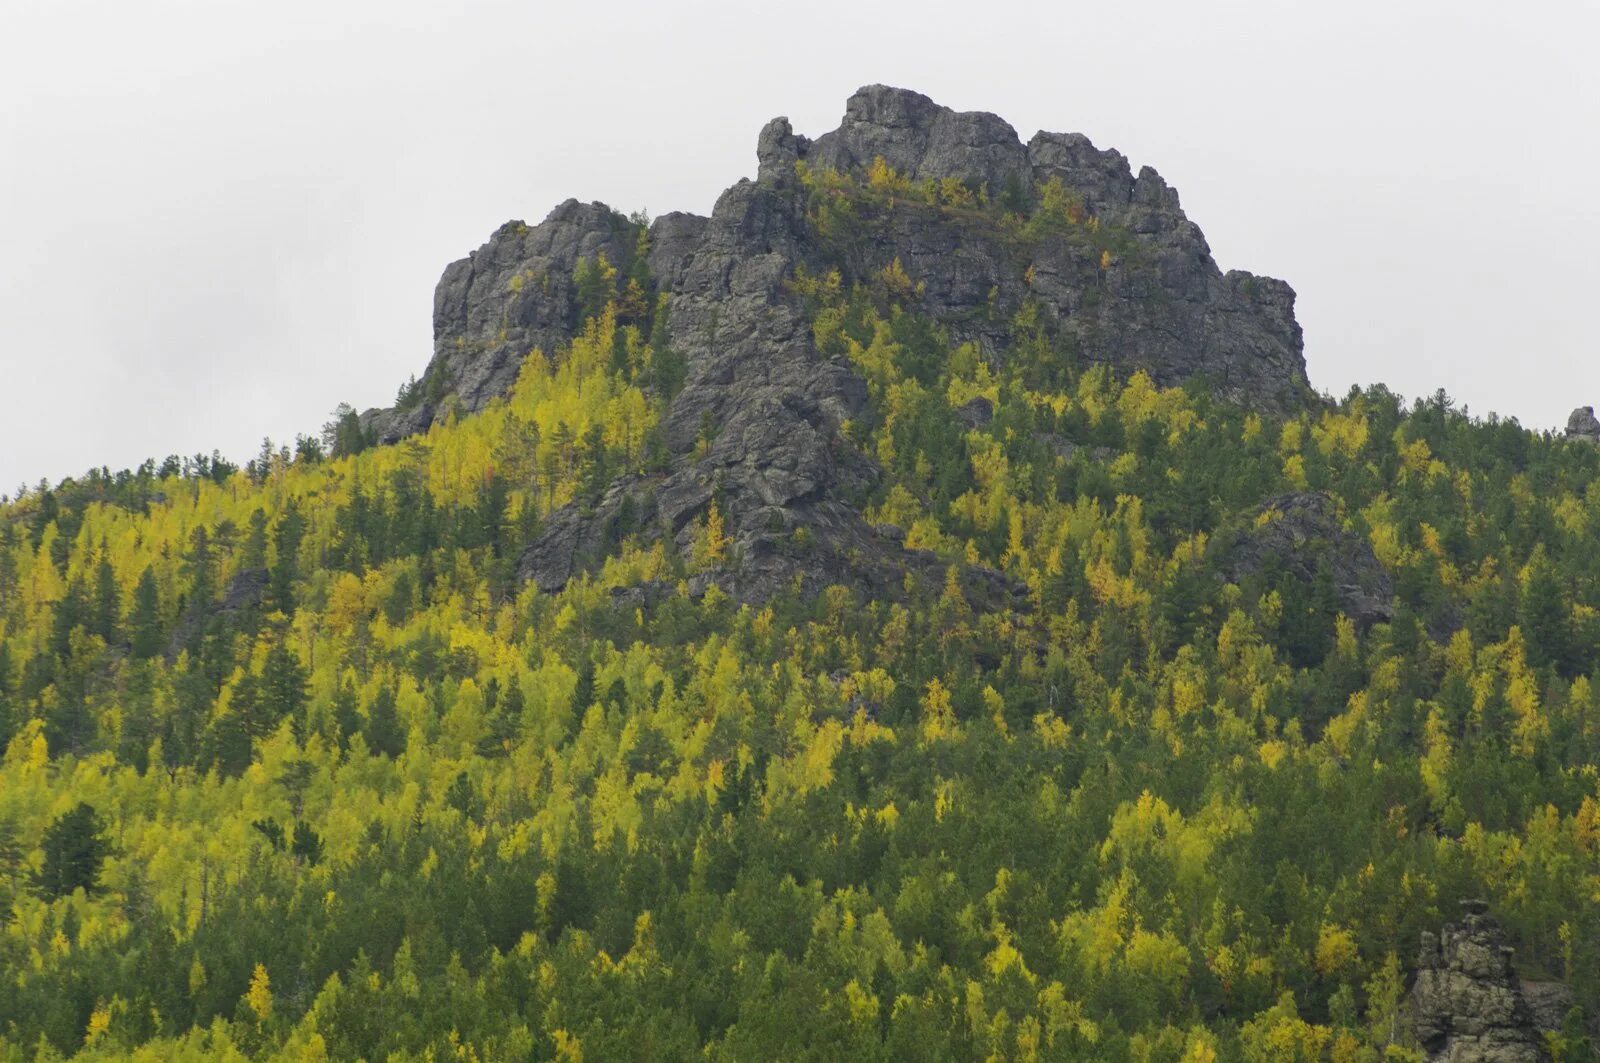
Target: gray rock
x,y
244,592
923,140
976,413
1065,448
1102,178
1301,533
1548,1003
1467,1005
1583,425
512,295
1162,305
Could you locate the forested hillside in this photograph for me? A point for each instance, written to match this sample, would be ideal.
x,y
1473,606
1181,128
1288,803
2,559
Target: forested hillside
x,y
1177,723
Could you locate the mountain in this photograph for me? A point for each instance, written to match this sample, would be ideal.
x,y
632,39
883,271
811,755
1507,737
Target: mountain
x,y
920,611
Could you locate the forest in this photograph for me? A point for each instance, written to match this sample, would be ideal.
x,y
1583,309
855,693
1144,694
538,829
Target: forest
x,y
296,767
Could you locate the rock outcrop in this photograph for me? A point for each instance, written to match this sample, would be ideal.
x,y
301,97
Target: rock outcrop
x,y
1584,425
1159,303
1467,1004
1142,293
1300,533
514,294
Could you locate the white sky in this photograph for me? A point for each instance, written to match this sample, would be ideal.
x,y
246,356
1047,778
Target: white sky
x,y
219,219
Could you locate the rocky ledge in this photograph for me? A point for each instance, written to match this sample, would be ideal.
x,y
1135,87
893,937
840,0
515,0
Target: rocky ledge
x,y
786,480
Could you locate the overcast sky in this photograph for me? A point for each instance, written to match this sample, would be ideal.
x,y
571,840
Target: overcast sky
x,y
219,219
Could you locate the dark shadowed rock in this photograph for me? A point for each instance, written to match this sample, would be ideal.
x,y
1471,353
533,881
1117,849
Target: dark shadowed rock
x,y
1467,1005
1300,533
244,592
976,413
1548,1003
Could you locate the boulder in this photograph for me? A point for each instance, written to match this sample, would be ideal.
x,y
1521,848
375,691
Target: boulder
x,y
1583,425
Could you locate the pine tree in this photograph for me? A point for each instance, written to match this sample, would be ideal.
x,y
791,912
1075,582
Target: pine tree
x,y
107,612
491,512
74,851
70,613
346,715
594,465
200,567
144,621
287,535
8,708
253,554
11,863
283,687
383,733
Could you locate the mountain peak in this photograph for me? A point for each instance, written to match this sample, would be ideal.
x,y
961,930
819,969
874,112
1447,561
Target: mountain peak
x,y
987,238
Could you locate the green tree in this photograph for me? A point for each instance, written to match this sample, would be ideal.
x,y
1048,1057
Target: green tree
x,y
107,611
383,733
287,536
144,621
75,849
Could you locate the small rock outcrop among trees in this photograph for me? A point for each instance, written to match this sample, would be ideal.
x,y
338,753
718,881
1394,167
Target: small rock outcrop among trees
x,y
1469,1006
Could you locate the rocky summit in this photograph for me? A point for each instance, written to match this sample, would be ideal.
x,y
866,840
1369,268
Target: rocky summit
x,y
1145,295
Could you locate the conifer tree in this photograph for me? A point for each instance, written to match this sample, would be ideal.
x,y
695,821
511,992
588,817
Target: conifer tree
x,y
107,612
144,620
75,848
383,733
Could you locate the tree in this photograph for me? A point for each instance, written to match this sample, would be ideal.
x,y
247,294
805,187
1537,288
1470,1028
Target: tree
x,y
74,851
8,712
346,717
307,844
594,466
11,857
1542,612
283,687
259,995
107,611
383,733
287,535
253,554
144,622
343,435
308,450
201,569
70,613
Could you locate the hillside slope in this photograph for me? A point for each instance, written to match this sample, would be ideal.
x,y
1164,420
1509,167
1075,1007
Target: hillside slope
x,y
795,659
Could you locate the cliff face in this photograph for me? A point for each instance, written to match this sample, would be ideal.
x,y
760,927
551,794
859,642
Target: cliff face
x,y
1467,1003
1145,296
